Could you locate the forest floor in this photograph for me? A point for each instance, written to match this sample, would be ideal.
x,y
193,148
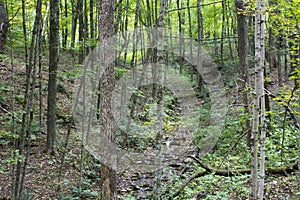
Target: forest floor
x,y
43,170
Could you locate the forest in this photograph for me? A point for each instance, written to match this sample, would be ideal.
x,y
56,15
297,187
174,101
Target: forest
x,y
150,99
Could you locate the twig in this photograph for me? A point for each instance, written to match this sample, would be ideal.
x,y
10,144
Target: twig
x,y
231,148
287,107
201,164
196,175
14,15
183,8
6,111
228,173
58,190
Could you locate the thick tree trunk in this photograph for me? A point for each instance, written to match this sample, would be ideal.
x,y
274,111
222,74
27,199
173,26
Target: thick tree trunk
x,y
243,60
3,26
53,62
257,190
107,82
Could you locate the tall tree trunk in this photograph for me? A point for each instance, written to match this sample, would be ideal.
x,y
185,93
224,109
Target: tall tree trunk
x,y
86,29
149,17
53,62
159,110
229,18
181,38
66,30
259,104
125,34
74,24
191,38
27,117
92,19
200,37
261,37
243,60
40,76
81,30
30,88
3,26
135,41
107,82
19,144
223,32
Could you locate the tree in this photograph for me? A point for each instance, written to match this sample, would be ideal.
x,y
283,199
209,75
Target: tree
x,y
53,62
259,104
260,66
159,35
81,30
23,142
107,82
243,60
3,26
19,144
200,38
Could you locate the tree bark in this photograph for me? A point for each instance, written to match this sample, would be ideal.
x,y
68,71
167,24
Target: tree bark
x,y
107,82
53,62
3,26
200,37
261,69
92,19
66,30
81,30
20,142
74,24
259,104
243,60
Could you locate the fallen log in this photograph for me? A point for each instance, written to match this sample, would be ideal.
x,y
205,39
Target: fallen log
x,y
228,173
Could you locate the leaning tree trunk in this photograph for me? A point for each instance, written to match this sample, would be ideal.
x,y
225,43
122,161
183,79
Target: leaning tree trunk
x,y
3,26
107,82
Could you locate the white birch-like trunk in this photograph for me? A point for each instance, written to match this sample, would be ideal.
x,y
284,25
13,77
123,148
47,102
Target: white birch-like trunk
x,y
262,100
257,190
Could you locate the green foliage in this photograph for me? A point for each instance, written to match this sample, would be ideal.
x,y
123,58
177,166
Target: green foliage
x,y
82,192
4,57
129,198
15,157
26,195
20,99
7,134
120,72
69,74
217,187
